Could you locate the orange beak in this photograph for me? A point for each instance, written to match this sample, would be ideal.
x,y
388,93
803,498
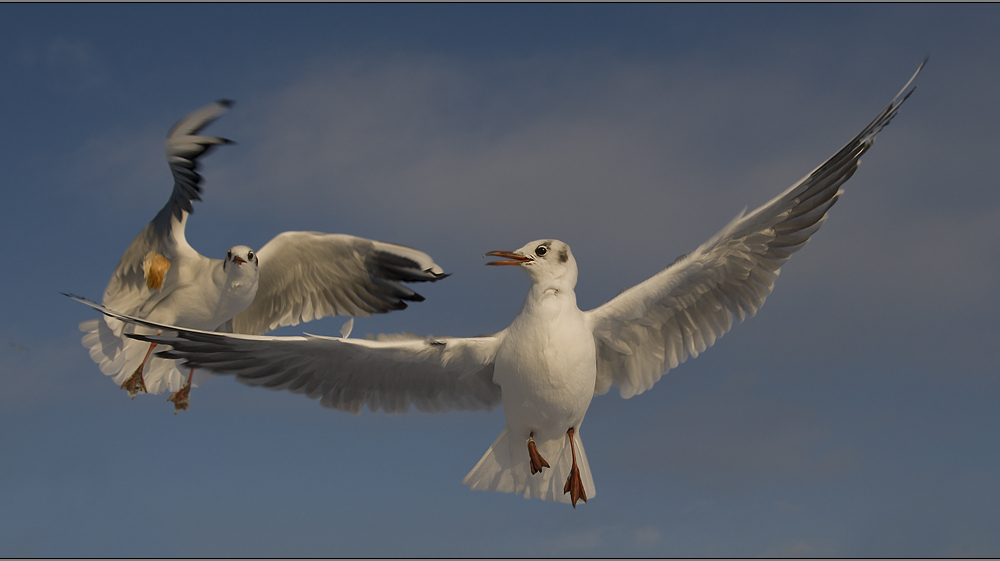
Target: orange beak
x,y
515,259
238,260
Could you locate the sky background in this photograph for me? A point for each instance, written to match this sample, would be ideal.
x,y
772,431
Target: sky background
x,y
855,415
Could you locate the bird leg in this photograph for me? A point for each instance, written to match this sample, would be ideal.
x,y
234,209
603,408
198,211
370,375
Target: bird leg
x,y
135,383
537,461
181,397
574,485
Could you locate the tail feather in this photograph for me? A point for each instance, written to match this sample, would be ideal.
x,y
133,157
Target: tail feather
x,y
118,357
105,347
505,468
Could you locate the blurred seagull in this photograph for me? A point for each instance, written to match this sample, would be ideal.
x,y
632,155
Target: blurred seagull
x,y
554,358
295,277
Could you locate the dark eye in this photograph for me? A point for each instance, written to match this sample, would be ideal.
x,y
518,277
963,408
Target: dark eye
x,y
541,250
250,255
229,255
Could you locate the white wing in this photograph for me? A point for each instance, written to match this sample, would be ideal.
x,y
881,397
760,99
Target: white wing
x,y
393,373
309,275
127,289
681,311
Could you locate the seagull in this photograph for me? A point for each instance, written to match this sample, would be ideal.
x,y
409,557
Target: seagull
x,y
295,277
547,366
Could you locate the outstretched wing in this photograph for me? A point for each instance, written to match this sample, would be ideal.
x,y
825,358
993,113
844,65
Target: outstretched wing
x,y
184,147
309,275
681,311
129,288
392,373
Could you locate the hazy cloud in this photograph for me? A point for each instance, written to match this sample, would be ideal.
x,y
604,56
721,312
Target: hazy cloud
x,y
647,537
736,437
66,62
577,541
125,170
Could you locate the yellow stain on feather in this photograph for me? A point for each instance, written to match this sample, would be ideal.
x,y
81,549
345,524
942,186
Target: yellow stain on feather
x,y
155,267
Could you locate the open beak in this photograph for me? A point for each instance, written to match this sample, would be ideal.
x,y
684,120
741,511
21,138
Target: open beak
x,y
238,260
515,259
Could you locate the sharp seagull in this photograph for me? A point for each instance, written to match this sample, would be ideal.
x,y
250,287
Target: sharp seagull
x,y
554,358
295,277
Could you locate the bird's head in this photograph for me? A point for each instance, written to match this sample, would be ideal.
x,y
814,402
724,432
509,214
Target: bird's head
x,y
543,260
240,257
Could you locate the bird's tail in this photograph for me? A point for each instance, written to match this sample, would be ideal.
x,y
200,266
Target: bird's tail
x,y
119,356
506,468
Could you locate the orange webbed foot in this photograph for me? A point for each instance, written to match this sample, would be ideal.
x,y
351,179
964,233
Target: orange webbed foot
x,y
181,398
574,484
537,461
135,383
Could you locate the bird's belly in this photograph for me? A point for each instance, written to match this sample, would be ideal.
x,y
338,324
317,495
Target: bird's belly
x,y
547,388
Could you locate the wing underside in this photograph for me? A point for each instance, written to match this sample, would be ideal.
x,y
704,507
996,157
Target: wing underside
x,y
684,309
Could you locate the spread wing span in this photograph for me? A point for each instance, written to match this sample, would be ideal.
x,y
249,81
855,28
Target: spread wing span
x,y
392,373
681,311
310,275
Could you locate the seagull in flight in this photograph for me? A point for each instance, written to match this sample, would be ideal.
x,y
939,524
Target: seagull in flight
x,y
295,277
547,366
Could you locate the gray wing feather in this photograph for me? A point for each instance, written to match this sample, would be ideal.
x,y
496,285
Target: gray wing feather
x,y
393,374
127,289
653,327
184,147
309,275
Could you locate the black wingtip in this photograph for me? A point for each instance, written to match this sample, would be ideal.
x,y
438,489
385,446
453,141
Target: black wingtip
x,y
77,298
226,102
912,78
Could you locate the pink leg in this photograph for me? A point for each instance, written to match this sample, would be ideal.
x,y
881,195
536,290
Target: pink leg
x,y
135,383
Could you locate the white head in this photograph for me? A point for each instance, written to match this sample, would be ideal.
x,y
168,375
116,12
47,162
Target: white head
x,y
240,260
544,260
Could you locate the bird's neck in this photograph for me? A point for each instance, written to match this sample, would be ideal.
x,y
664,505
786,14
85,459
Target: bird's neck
x,y
235,278
551,292
239,290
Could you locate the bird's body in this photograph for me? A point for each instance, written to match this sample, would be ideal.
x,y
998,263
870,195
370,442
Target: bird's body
x,y
297,276
206,293
546,367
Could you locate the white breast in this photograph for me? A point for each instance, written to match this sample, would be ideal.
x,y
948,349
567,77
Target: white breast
x,y
546,368
205,296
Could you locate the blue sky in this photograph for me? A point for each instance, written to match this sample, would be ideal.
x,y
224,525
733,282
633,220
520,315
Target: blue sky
x,y
855,415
